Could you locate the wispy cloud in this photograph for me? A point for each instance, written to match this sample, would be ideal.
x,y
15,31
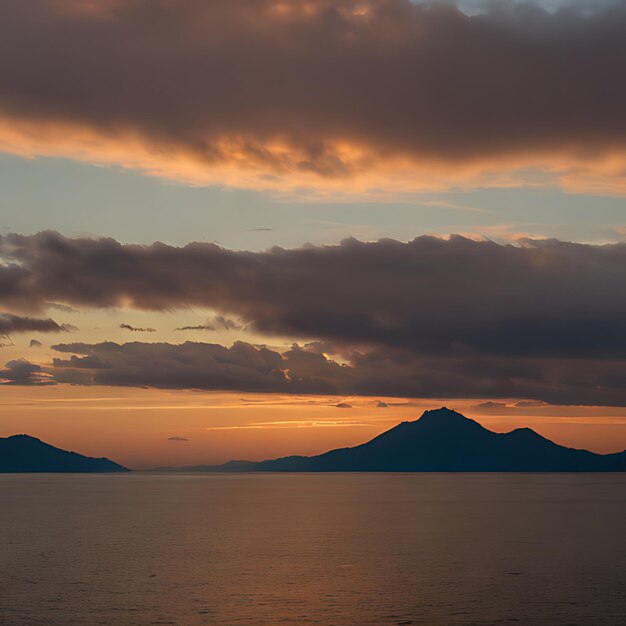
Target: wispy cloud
x,y
218,322
136,329
290,424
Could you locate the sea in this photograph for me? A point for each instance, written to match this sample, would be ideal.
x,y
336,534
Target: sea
x,y
327,549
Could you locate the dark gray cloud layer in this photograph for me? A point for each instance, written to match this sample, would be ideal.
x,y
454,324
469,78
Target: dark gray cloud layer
x,y
23,372
429,296
425,82
203,366
10,324
430,318
244,367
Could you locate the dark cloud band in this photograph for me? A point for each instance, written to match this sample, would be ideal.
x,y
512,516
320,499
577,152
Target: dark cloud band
x,y
10,324
430,296
400,373
542,320
329,88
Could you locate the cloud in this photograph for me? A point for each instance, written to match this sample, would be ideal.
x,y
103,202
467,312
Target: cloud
x,y
342,96
218,322
202,366
137,330
61,307
225,323
384,372
177,438
91,362
535,321
10,324
22,372
430,296
490,406
199,327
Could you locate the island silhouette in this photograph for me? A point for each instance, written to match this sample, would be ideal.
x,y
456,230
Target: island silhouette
x,y
23,453
441,440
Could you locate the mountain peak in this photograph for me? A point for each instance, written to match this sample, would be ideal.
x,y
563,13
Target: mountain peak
x,y
444,419
443,440
444,413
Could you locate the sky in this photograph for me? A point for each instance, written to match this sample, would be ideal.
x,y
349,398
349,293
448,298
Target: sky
x,y
261,227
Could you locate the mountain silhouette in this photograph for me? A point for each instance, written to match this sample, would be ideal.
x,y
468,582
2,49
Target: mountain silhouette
x,y
229,466
22,453
443,440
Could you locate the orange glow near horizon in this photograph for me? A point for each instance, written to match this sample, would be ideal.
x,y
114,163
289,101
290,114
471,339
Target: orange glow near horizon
x,y
134,426
364,172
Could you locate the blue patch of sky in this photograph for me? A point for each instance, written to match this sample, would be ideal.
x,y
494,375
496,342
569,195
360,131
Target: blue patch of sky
x,y
81,199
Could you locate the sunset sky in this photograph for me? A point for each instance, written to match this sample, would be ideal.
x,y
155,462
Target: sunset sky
x,y
258,228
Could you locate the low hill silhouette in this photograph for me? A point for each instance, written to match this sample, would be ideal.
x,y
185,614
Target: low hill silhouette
x,y
22,453
443,440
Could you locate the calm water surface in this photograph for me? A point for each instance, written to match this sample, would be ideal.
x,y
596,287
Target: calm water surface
x,y
330,549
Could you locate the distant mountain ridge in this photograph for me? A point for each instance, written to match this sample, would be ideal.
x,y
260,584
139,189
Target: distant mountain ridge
x,y
443,440
23,453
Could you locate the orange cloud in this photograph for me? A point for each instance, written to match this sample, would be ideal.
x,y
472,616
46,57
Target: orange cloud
x,y
340,99
346,172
